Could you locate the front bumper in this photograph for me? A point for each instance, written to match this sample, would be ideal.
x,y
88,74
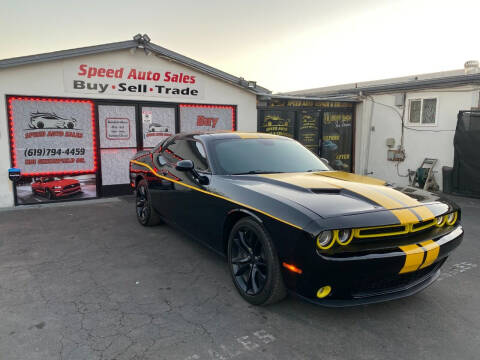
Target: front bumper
x,y
364,277
67,192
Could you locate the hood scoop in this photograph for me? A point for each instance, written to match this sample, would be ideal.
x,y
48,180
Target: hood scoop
x,y
326,191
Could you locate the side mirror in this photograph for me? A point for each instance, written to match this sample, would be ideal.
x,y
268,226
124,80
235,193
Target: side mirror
x,y
184,165
187,166
325,161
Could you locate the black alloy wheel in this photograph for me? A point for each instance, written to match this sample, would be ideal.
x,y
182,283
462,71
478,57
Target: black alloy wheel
x,y
40,125
146,214
254,264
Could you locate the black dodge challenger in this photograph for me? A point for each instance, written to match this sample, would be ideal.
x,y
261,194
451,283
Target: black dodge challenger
x,y
285,220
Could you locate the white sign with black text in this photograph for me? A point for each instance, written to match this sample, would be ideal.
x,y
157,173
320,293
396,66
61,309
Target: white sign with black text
x,y
130,80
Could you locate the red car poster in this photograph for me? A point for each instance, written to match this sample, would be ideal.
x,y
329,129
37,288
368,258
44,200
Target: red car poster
x,y
52,142
52,136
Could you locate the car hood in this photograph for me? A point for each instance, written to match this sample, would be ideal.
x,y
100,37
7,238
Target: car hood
x,y
64,182
335,193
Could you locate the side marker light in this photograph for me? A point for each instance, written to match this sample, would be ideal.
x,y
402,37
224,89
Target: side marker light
x,y
292,268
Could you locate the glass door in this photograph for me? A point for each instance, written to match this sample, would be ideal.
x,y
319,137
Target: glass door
x,y
118,144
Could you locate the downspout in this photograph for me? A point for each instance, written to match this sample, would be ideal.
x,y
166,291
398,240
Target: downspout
x,y
369,135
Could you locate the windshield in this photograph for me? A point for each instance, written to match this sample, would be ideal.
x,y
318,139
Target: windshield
x,y
257,156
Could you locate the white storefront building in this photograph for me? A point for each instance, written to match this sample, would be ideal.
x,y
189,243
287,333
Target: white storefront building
x,y
81,114
414,116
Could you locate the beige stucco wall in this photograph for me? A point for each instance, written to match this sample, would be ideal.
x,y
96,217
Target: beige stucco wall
x,y
47,79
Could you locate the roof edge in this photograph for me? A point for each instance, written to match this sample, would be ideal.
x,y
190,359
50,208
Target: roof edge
x,y
63,54
123,45
457,80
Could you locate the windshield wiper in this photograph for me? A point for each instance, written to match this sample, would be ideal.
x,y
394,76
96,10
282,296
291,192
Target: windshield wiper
x,y
258,172
314,170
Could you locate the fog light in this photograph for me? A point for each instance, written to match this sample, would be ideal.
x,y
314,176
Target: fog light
x,y
452,218
324,291
440,220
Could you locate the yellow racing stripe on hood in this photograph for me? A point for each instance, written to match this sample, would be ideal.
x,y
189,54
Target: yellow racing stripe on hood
x,y
422,211
341,175
370,188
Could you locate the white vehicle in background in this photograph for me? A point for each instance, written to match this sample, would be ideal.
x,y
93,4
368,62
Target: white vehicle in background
x,y
157,128
40,120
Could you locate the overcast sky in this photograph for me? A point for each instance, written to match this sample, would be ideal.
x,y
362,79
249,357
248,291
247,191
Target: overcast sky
x,y
283,45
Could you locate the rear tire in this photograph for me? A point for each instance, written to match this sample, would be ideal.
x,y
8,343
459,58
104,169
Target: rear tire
x,y
254,264
146,214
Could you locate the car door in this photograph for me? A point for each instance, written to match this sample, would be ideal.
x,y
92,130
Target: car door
x,y
180,202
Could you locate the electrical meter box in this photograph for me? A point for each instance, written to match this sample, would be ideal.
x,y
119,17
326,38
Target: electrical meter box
x,y
395,155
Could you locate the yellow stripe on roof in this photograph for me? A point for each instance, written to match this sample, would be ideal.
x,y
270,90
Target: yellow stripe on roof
x,y
246,135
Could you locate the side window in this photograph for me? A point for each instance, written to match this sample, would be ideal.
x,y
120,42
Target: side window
x,y
158,155
172,150
200,155
182,149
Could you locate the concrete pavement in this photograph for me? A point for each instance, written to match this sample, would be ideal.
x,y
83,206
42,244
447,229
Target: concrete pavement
x,y
85,281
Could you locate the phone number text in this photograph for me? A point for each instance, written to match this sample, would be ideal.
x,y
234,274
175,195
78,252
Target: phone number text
x,y
54,152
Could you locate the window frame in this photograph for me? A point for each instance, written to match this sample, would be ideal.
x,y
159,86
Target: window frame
x,y
422,99
174,139
209,170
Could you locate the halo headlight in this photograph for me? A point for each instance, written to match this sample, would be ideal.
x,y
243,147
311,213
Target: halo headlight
x,y
440,220
344,236
325,240
452,218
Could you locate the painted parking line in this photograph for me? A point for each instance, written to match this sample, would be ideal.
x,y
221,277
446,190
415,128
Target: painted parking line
x,y
238,346
456,269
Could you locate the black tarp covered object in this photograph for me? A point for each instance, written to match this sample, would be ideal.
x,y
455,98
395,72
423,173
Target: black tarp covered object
x,y
465,175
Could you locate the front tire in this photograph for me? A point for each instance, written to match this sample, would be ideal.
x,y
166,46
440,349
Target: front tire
x,y
146,214
254,264
50,194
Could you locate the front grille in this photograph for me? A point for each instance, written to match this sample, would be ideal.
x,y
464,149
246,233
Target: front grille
x,y
393,230
381,231
373,287
71,186
423,225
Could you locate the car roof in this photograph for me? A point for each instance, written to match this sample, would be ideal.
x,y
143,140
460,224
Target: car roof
x,y
220,134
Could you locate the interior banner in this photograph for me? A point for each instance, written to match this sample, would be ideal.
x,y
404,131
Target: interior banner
x,y
206,117
158,123
337,133
52,136
309,129
89,78
277,122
